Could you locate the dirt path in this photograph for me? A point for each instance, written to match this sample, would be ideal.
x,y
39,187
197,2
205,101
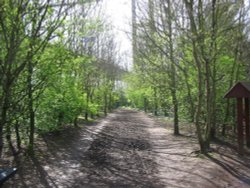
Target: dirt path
x,y
128,149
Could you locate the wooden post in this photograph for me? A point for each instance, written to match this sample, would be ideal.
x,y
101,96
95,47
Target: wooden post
x,y
247,122
240,125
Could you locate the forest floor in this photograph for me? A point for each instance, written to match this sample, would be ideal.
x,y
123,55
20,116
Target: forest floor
x,y
128,149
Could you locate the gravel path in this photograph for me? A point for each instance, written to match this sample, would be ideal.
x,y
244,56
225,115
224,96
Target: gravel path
x,y
128,149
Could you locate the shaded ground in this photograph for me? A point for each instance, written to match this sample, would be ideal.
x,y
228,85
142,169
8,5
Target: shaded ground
x,y
128,149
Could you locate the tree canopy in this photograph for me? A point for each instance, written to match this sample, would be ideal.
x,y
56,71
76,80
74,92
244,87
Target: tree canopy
x,y
59,62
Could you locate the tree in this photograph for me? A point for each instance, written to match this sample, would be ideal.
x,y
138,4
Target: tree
x,y
184,47
26,30
207,37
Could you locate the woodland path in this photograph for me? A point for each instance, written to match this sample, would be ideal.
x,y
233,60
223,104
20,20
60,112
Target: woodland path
x,y
128,149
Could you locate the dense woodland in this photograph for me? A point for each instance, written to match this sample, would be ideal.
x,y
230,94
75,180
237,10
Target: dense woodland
x,y
187,55
59,63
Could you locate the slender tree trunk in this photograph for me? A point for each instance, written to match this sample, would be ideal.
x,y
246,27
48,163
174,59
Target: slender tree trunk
x,y
75,122
223,131
4,110
213,53
134,30
190,99
9,141
203,144
86,116
213,113
1,136
145,103
198,45
176,118
173,84
155,102
8,138
105,103
18,138
87,107
110,102
60,119
30,109
208,104
91,100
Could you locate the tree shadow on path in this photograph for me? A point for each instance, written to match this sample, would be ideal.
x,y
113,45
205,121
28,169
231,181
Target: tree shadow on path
x,y
236,166
118,155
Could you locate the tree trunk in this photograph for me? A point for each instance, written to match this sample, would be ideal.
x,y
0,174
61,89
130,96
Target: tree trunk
x,y
18,139
176,118
91,100
145,104
87,106
173,84
208,103
191,103
213,59
198,55
105,104
32,131
5,107
86,116
30,109
223,131
9,141
203,145
134,30
110,102
155,102
189,6
60,119
213,112
1,140
75,122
